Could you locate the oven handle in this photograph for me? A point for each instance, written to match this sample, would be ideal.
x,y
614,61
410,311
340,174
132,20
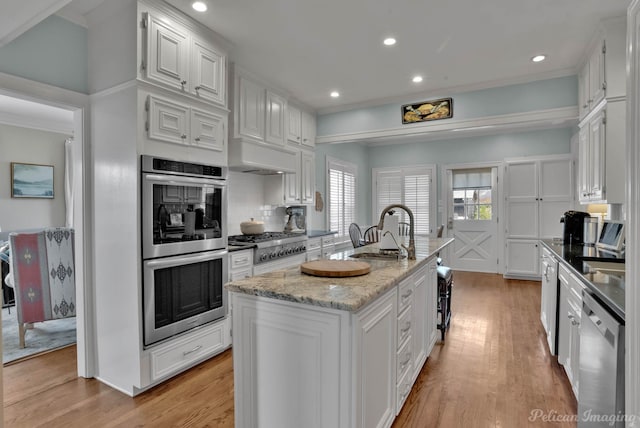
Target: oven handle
x,y
181,260
183,180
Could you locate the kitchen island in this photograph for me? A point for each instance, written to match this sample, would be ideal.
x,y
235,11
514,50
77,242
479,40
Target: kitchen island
x,y
333,352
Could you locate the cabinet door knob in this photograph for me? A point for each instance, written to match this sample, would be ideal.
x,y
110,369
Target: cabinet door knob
x,y
197,88
183,136
183,82
197,138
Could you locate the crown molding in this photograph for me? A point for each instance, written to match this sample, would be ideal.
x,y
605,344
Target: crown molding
x,y
527,121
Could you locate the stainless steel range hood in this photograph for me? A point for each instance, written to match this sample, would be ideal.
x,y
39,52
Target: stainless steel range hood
x,y
260,158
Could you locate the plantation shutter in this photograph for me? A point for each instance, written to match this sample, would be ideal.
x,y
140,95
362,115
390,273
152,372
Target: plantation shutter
x,y
342,197
408,186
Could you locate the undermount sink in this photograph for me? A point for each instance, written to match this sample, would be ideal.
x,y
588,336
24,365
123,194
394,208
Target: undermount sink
x,y
383,256
606,266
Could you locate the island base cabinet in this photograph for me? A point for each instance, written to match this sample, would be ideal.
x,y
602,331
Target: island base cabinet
x,y
289,368
298,365
375,363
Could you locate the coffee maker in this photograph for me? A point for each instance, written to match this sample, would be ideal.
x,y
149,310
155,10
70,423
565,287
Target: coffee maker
x,y
573,230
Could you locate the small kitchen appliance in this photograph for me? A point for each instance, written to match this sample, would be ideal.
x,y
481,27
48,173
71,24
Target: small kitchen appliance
x,y
573,230
296,222
590,233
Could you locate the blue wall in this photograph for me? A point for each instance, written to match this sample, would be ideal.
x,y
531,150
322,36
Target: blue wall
x,y
533,96
53,52
539,95
465,150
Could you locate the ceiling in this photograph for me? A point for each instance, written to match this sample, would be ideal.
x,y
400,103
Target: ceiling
x,y
310,48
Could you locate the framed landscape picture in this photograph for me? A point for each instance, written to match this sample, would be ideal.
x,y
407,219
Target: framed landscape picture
x,y
31,181
427,110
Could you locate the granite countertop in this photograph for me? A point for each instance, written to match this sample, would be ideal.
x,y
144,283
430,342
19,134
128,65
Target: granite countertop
x,y
608,287
349,294
318,233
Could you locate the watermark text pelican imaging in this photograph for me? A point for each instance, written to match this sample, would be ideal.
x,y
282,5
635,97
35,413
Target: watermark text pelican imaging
x,y
586,416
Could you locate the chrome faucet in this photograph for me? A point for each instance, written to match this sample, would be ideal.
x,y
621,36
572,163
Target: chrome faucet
x,y
411,249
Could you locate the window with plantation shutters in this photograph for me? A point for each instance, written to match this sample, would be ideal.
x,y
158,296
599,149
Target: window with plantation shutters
x,y
413,187
341,177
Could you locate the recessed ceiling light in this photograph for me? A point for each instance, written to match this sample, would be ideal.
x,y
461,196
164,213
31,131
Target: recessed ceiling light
x,y
335,94
539,58
199,6
389,41
417,79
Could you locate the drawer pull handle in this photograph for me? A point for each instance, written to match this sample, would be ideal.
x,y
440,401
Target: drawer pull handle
x,y
407,328
409,293
405,362
196,349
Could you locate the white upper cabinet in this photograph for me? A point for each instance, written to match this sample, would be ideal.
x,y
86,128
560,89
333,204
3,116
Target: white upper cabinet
x,y
173,122
300,187
308,129
275,132
249,109
603,74
294,124
601,155
301,127
167,53
177,58
208,72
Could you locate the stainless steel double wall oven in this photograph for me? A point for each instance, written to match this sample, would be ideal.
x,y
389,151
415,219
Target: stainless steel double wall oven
x,y
184,241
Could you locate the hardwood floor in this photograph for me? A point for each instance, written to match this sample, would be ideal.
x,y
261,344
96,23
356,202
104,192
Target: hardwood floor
x,y
493,370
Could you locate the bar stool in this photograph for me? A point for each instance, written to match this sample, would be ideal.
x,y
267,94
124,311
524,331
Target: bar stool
x,y
445,282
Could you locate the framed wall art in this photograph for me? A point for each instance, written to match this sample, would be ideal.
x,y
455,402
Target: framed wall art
x,y
31,181
427,110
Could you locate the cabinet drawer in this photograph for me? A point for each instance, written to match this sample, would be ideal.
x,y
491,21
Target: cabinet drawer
x,y
404,325
328,240
403,390
241,259
172,357
403,359
314,244
405,294
240,274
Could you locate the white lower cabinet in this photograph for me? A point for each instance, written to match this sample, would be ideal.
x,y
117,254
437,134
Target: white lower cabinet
x,y
240,264
171,358
374,363
569,319
522,257
303,365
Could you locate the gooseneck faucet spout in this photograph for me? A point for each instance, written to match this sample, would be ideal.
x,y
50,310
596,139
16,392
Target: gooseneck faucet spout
x,y
411,249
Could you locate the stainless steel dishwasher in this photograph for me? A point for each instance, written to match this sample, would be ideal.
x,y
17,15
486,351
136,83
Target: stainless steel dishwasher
x,y
601,390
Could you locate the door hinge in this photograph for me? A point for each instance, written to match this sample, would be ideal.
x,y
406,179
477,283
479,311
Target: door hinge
x,y
143,22
143,66
604,120
604,85
146,126
604,47
146,105
497,261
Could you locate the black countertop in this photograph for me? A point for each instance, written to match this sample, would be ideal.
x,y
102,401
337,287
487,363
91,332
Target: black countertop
x,y
609,288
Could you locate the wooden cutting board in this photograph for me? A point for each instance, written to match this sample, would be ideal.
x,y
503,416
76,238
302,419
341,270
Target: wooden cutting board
x,y
335,268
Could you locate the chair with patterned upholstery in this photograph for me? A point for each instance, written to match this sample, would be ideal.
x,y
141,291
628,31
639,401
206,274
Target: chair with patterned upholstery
x,y
43,276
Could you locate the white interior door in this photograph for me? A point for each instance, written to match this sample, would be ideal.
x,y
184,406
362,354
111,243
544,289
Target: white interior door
x,y
472,219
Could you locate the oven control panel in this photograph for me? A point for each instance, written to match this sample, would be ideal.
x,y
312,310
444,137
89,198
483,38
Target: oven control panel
x,y
276,252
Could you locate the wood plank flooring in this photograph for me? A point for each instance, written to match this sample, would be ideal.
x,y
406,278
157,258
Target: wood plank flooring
x,y
493,370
